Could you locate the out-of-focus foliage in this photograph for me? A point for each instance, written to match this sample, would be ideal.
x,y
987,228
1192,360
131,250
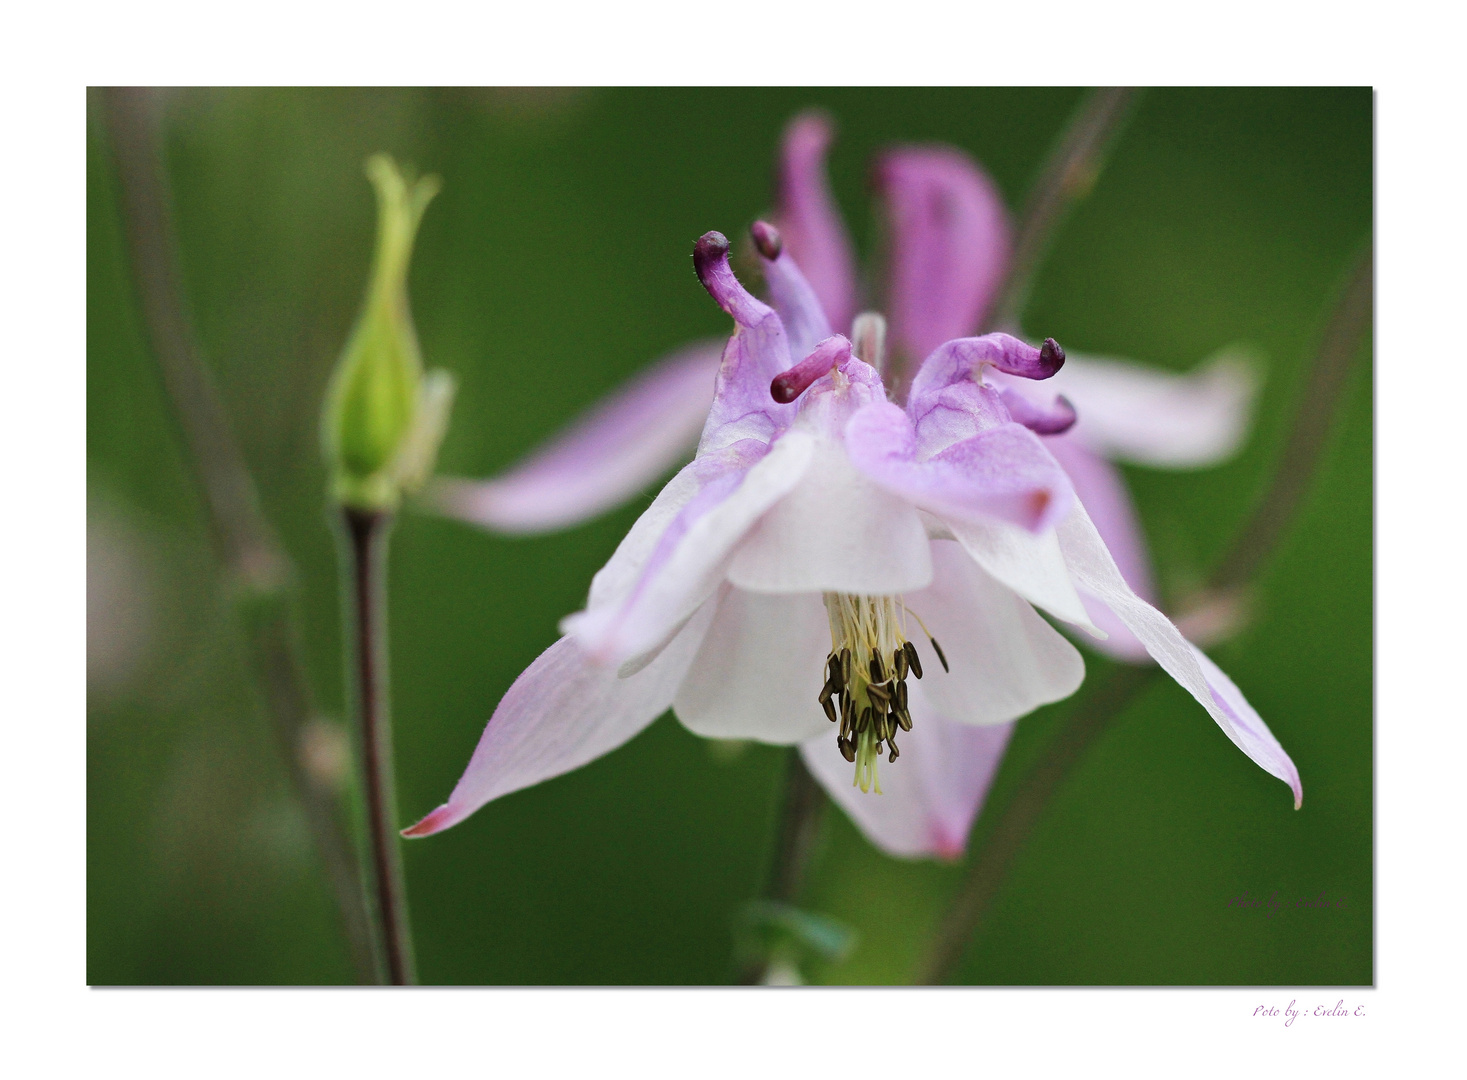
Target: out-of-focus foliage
x,y
554,264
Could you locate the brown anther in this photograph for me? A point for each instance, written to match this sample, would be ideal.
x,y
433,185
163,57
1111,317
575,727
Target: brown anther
x,y
878,694
904,718
911,651
877,675
865,720
845,667
833,672
847,750
938,650
829,708
899,662
825,693
901,695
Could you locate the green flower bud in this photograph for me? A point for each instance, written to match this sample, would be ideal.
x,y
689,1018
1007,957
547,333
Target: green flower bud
x,y
384,417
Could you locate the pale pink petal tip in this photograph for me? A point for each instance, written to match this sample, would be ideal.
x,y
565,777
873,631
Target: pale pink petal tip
x,y
437,821
813,231
945,845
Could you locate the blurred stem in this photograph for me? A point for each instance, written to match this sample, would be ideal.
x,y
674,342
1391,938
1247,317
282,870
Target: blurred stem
x,y
1069,173
257,568
1314,418
367,532
804,801
1309,435
1011,831
800,814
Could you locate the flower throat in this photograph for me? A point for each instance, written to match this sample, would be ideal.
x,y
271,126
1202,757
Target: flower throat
x,y
866,678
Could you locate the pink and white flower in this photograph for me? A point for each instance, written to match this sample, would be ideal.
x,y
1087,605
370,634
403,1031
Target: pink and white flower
x,y
784,585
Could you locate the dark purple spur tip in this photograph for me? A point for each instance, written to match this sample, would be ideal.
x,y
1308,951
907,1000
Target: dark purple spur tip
x,y
785,387
709,251
1051,357
766,239
833,352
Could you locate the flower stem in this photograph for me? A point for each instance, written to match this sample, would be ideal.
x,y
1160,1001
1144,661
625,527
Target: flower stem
x,y
799,823
1309,433
1314,418
800,814
257,570
1069,173
1011,831
366,532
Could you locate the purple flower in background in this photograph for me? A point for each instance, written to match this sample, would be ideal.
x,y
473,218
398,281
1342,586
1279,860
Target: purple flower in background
x,y
786,583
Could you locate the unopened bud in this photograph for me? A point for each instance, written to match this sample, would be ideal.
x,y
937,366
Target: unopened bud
x,y
383,418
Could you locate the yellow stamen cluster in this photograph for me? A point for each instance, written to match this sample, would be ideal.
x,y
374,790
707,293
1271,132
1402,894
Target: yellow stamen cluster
x,y
865,688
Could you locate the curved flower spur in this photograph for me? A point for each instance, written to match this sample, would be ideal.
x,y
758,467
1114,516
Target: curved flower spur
x,y
823,540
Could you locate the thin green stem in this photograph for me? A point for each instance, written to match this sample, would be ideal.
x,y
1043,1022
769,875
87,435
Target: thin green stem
x,y
801,810
1308,437
1069,173
257,569
366,534
1011,830
1315,417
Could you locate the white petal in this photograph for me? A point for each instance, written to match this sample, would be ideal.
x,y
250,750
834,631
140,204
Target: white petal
x,y
563,711
658,584
1151,417
615,580
1095,572
1029,564
760,670
835,532
1252,734
1005,660
1119,643
930,795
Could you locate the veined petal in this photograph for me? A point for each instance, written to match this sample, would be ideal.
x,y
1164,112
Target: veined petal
x,y
562,712
810,221
949,244
687,560
835,531
1095,571
960,359
757,352
1101,488
805,322
1169,421
949,400
930,796
603,458
760,670
1004,659
1002,473
1252,734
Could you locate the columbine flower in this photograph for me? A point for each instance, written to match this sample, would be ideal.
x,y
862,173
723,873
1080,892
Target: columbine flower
x,y
949,243
785,584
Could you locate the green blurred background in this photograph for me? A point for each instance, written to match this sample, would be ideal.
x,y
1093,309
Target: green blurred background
x,y
554,264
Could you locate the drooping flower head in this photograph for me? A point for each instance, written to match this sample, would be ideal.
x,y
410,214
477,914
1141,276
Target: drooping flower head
x,y
817,547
